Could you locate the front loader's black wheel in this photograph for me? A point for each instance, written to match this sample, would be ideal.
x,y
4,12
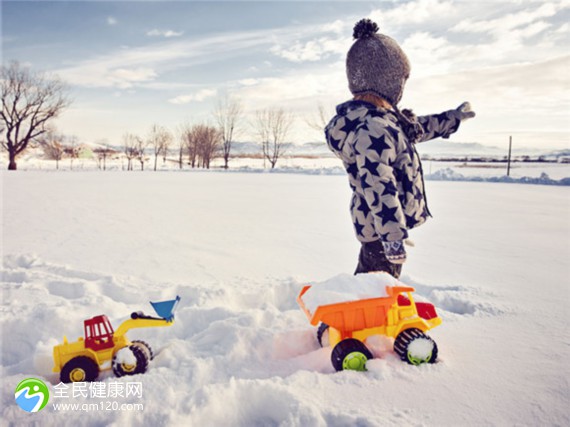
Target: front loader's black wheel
x,y
146,347
350,354
137,364
79,369
415,347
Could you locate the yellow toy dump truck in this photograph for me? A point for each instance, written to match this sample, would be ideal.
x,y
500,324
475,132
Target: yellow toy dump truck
x,y
395,315
103,348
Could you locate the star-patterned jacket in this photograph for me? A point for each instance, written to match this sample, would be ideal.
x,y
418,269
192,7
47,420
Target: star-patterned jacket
x,y
384,168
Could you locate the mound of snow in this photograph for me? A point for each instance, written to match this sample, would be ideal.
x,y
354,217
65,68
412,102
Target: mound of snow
x,y
449,174
346,288
126,356
421,348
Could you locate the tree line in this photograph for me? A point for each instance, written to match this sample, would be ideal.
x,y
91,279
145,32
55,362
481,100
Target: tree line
x,y
32,100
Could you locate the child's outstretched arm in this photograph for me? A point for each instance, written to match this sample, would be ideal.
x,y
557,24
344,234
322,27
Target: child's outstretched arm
x,y
444,124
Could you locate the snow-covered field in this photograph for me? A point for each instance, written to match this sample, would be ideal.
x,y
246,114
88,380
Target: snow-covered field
x,y
238,248
326,165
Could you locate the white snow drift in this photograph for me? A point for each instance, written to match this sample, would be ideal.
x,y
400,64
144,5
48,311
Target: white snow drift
x,y
238,248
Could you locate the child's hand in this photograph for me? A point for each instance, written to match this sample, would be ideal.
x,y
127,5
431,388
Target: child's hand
x,y
395,251
463,112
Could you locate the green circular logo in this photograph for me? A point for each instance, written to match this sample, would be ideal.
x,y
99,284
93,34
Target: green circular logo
x,y
32,395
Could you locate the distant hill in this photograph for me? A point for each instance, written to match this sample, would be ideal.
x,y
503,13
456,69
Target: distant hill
x,y
317,149
559,153
434,149
440,148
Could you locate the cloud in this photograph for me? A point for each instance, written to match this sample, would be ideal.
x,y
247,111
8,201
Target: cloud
x,y
199,96
112,20
512,85
520,36
430,54
507,22
338,27
318,46
95,71
506,98
507,59
413,12
300,92
118,75
124,78
312,50
248,82
164,33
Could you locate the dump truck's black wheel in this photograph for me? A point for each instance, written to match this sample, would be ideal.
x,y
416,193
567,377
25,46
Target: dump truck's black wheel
x,y
415,347
350,354
146,347
79,369
323,335
140,365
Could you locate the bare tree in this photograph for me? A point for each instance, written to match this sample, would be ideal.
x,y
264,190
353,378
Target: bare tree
x,y
29,101
2,140
201,142
166,148
182,143
191,143
210,142
321,120
130,147
102,153
140,150
72,150
272,127
52,145
159,139
228,113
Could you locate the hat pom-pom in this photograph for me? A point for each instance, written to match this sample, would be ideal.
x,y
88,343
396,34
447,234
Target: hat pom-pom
x,y
364,28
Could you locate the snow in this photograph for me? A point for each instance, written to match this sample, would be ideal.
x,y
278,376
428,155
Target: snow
x,y
126,356
449,174
318,162
518,170
420,348
346,288
238,248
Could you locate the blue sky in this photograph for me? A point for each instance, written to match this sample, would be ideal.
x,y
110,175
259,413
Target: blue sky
x,y
132,64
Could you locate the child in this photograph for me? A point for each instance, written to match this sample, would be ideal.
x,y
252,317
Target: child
x,y
376,143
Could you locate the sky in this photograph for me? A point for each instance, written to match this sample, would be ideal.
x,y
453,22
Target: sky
x,y
131,64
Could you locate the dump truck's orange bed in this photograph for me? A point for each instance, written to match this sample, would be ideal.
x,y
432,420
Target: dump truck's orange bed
x,y
354,315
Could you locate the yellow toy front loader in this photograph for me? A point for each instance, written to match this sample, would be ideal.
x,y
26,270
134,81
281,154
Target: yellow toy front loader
x,y
103,348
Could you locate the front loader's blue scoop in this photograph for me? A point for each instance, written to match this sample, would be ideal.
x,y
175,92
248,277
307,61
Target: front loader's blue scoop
x,y
166,309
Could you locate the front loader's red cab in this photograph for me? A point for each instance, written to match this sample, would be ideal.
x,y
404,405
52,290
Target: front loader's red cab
x,y
98,333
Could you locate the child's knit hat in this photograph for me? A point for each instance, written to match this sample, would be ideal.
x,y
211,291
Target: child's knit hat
x,y
375,64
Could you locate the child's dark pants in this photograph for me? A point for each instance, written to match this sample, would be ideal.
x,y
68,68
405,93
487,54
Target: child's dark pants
x,y
372,258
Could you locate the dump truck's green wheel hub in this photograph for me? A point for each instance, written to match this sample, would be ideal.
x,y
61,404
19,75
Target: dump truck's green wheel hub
x,y
418,360
77,375
350,354
355,361
415,347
